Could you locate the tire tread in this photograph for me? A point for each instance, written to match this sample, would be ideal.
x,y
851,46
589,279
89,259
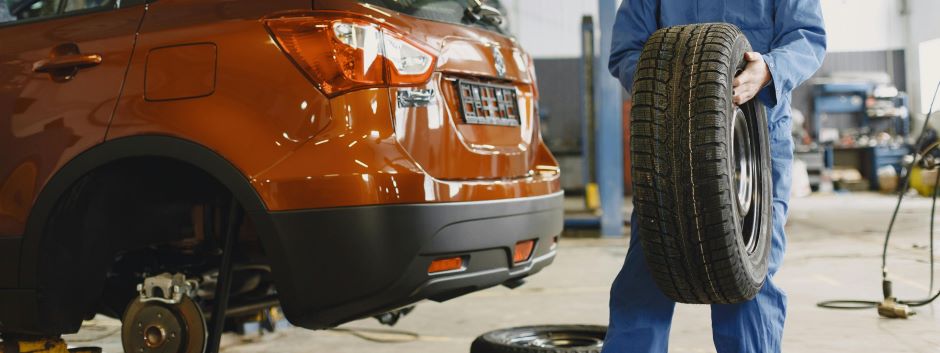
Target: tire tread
x,y
681,178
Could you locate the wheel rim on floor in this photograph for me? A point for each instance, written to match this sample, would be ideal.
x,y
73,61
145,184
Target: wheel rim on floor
x,y
559,339
744,156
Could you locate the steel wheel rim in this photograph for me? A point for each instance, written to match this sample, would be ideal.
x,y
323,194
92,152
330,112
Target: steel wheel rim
x,y
558,340
744,158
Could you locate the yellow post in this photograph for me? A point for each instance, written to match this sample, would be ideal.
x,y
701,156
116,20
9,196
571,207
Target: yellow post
x,y
592,197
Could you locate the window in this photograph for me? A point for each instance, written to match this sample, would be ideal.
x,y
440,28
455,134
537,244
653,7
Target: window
x,y
451,11
13,10
77,5
5,15
18,10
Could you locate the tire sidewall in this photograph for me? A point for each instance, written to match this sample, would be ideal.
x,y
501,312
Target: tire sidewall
x,y
498,341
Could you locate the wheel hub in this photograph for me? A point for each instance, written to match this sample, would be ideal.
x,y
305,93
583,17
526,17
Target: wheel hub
x,y
157,327
744,161
155,336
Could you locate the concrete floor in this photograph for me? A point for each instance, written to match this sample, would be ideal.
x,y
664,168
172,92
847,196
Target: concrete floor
x,y
834,252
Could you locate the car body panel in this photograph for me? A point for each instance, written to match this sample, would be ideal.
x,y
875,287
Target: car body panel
x,y
378,170
461,50
323,179
255,124
447,148
45,123
180,72
290,134
436,135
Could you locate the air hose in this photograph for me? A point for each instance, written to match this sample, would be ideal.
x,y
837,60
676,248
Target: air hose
x,y
890,306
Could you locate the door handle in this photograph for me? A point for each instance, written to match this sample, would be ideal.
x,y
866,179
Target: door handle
x,y
66,62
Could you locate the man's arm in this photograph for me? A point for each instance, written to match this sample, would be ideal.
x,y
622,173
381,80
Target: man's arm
x,y
798,48
636,21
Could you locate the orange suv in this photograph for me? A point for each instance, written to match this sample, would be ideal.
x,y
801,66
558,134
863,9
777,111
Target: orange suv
x,y
381,152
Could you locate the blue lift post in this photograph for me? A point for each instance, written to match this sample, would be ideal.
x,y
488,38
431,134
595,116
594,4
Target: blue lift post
x,y
592,199
609,129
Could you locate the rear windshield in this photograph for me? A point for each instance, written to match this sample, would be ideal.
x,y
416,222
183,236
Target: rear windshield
x,y
450,11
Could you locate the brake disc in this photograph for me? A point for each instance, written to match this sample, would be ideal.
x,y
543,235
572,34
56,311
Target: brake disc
x,y
158,327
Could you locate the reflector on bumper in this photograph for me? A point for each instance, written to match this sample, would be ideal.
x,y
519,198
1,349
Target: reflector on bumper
x,y
523,251
445,265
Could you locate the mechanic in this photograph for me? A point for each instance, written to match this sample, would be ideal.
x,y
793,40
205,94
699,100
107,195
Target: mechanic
x,y
789,42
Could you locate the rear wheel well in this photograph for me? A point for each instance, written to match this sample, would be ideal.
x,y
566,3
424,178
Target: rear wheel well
x,y
134,202
94,237
127,207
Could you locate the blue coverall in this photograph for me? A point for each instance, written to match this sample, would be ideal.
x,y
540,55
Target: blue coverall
x,y
791,37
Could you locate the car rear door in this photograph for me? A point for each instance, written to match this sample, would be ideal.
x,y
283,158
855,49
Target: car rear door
x,y
62,64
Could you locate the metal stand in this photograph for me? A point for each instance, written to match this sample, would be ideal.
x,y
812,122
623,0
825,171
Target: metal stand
x,y
592,199
223,287
609,130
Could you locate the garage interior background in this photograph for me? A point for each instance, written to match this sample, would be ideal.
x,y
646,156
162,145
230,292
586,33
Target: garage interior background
x,y
835,239
869,36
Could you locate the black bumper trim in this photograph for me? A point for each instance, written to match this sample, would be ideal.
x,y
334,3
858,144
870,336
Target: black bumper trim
x,y
336,265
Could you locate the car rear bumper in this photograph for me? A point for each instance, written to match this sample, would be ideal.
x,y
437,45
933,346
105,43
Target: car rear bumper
x,y
335,265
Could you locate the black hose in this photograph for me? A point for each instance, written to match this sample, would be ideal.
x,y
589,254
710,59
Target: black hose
x,y
906,183
380,335
847,304
933,211
863,304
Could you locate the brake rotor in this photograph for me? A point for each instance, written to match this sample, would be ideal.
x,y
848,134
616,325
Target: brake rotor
x,y
157,327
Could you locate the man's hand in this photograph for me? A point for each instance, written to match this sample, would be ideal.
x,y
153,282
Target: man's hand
x,y
755,76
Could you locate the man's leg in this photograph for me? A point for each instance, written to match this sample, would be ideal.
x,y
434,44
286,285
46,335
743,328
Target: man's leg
x,y
756,326
640,314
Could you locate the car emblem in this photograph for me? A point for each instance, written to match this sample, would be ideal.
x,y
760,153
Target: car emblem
x,y
499,61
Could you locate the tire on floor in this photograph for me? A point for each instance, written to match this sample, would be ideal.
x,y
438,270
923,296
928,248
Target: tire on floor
x,y
542,339
701,167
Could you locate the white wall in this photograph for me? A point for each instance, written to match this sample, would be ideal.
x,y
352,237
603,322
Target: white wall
x,y
864,25
550,28
929,62
924,21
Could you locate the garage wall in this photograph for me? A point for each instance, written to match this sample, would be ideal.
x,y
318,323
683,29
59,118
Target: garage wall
x,y
864,25
924,26
864,35
560,102
929,72
549,28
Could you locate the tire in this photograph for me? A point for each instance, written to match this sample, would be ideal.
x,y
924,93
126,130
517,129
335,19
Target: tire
x,y
542,339
701,167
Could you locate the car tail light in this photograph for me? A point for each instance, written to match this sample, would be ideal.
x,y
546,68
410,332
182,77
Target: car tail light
x,y
445,265
343,52
410,65
523,251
